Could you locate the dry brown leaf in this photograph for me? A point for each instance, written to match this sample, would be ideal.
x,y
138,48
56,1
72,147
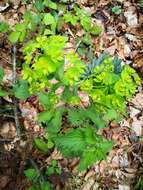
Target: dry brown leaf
x,y
138,60
4,181
56,155
89,174
89,184
131,17
138,101
124,187
133,112
137,126
7,130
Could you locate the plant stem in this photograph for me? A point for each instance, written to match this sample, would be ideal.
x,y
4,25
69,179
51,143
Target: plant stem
x,y
15,108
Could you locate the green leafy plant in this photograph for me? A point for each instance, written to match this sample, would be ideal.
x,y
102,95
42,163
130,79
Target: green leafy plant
x,y
140,3
84,143
108,85
83,17
39,22
139,184
30,23
46,64
43,144
47,69
38,182
4,27
50,4
116,10
53,168
20,90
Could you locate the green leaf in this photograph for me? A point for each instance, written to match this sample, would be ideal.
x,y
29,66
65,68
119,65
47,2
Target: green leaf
x,y
76,117
22,36
48,19
96,30
72,143
117,10
55,125
87,39
90,135
25,2
88,158
14,36
1,74
31,174
86,23
4,27
117,65
50,171
50,144
47,100
95,117
105,146
45,186
50,4
45,116
93,154
68,17
20,27
46,64
54,163
39,5
48,32
111,115
44,99
41,145
3,93
21,90
32,188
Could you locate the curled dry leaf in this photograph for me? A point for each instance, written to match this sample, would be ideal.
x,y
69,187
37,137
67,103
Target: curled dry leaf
x,y
123,160
115,161
137,126
124,187
89,174
28,111
3,6
138,101
56,155
131,18
89,184
16,3
84,99
4,181
8,130
138,60
133,112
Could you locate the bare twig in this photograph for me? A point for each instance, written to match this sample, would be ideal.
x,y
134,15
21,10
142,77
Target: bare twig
x,y
35,166
77,46
3,141
14,98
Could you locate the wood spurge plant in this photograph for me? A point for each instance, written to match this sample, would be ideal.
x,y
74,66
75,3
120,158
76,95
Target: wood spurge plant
x,y
57,77
107,83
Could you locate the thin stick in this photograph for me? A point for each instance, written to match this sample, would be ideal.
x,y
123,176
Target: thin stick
x,y
33,163
77,46
15,108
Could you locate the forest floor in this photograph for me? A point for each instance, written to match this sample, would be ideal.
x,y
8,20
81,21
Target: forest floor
x,y
123,169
